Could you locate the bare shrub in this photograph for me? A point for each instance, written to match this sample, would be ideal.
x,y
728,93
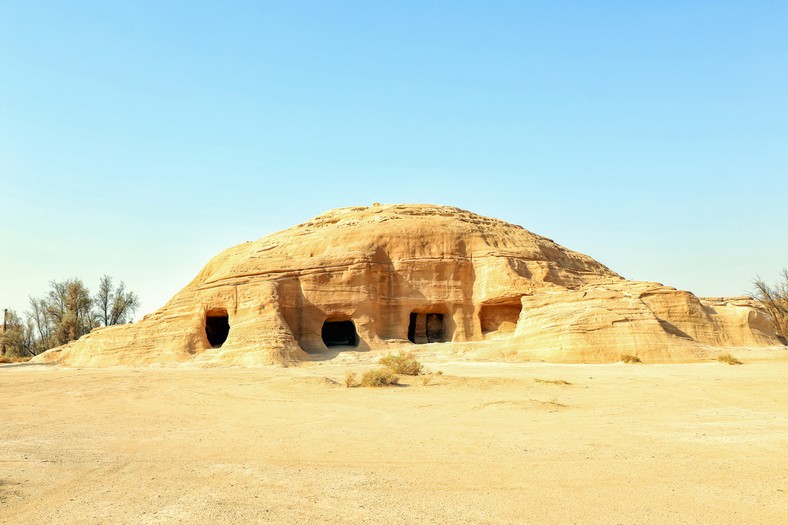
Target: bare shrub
x,y
775,301
404,363
350,380
727,358
379,377
626,358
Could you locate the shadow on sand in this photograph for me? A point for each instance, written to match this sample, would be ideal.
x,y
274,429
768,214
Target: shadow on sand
x,y
25,364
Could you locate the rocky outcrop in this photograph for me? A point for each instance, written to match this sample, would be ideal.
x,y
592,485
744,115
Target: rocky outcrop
x,y
600,322
372,277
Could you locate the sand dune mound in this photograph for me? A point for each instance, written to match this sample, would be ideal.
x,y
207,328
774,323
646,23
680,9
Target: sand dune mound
x,y
375,277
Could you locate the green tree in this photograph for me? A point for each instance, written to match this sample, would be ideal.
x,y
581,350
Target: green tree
x,y
69,306
16,340
11,336
68,311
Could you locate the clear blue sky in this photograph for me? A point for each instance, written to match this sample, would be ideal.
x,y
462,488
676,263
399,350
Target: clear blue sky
x,y
141,138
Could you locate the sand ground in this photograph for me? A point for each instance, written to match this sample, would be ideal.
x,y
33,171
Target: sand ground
x,y
483,443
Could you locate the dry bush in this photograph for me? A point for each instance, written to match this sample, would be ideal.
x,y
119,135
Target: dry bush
x,y
629,358
552,381
379,377
350,380
727,358
13,359
775,300
402,363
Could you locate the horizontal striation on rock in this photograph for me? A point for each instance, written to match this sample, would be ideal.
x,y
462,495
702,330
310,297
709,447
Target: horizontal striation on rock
x,y
366,278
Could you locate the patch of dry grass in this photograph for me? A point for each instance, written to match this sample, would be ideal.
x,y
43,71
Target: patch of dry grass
x,y
379,377
728,358
404,363
428,375
626,358
552,381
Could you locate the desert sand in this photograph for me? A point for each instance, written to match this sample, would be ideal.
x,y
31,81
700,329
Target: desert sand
x,y
485,442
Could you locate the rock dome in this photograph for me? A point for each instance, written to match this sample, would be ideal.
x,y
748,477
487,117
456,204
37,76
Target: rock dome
x,y
379,277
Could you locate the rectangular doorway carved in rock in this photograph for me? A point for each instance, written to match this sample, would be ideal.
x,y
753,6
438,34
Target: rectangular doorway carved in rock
x,y
426,328
435,328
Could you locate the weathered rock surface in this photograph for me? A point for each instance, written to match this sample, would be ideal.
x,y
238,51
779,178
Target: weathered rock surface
x,y
372,277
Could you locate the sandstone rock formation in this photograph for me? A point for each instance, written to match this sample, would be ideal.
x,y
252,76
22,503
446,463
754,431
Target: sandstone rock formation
x,y
379,276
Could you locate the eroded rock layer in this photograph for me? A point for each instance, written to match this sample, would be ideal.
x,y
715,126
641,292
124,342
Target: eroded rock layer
x,y
372,277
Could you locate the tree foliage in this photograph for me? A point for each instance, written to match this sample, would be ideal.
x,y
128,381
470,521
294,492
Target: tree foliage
x,y
70,309
114,305
775,300
17,338
67,312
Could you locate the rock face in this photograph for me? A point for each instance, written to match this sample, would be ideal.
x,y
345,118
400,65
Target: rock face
x,y
373,277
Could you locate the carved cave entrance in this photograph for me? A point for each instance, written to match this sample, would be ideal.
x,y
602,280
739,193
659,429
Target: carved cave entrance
x,y
217,326
426,328
339,333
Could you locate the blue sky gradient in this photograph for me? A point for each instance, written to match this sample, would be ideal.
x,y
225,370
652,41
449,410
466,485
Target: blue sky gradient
x,y
141,138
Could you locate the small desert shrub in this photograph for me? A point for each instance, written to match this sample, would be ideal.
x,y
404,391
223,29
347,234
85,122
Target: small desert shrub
x,y
350,380
727,358
552,381
379,377
402,363
629,358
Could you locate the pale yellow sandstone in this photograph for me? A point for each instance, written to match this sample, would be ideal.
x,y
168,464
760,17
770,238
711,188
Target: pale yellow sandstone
x,y
405,274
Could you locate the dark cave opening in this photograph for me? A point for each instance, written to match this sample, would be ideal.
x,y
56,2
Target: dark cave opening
x,y
217,327
339,333
426,328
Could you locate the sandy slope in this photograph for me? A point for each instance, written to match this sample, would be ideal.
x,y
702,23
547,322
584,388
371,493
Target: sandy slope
x,y
484,443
